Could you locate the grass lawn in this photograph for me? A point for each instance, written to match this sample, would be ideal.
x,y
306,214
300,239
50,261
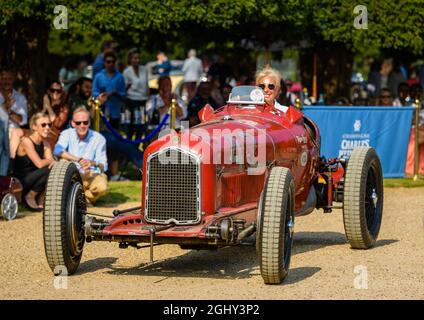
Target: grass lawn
x,y
403,182
122,191
130,191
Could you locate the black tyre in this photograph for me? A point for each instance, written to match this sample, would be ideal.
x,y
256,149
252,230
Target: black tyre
x,y
274,236
63,219
363,198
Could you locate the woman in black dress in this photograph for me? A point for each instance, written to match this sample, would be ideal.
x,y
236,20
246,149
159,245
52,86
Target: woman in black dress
x,y
33,161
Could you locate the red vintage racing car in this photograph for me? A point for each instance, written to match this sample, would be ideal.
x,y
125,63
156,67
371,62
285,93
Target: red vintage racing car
x,y
244,170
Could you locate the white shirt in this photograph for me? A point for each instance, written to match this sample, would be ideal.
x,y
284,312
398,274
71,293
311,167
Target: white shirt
x,y
192,69
20,107
156,102
93,147
138,89
280,107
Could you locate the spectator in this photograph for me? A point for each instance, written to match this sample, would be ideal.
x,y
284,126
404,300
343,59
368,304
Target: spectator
x,y
226,90
158,105
396,77
68,74
416,94
403,98
163,66
421,76
379,76
202,98
216,91
83,87
87,149
192,69
34,160
221,70
112,83
99,63
15,101
385,99
82,69
137,86
15,105
286,97
120,66
4,142
55,106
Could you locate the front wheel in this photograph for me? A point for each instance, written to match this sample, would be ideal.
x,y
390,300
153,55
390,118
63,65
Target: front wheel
x,y
275,225
363,198
63,218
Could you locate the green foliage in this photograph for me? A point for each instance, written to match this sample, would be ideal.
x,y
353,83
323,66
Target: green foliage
x,y
391,24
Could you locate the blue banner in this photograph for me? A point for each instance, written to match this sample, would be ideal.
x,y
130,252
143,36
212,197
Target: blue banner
x,y
384,128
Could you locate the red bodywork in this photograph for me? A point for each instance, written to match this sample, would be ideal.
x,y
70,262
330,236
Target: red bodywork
x,y
11,185
227,190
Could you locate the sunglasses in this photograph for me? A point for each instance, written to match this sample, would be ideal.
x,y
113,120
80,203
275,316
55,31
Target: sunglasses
x,y
109,61
55,90
45,124
78,123
383,97
269,86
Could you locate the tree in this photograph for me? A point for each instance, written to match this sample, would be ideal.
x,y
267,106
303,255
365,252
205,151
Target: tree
x,y
322,24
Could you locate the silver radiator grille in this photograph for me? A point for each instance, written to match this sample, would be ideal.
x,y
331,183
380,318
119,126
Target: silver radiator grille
x,y
173,187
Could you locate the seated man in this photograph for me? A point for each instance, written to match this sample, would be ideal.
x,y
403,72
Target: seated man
x,y
16,106
87,149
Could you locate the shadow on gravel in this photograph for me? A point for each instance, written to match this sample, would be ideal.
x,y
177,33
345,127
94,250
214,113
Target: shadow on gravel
x,y
96,264
225,263
385,242
309,241
299,274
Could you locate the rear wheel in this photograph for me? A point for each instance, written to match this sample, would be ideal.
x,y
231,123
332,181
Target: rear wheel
x,y
9,206
63,219
363,198
275,225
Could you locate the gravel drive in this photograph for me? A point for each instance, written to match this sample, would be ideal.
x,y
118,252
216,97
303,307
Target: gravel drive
x,y
322,266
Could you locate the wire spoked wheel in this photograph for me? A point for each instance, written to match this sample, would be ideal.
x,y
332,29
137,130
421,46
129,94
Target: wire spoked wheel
x,y
9,206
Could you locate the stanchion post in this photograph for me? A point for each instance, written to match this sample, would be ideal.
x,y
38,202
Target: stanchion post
x,y
97,116
297,104
416,142
95,103
173,112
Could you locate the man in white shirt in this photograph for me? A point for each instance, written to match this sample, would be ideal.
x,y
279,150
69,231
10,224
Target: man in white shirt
x,y
15,102
192,69
15,106
87,149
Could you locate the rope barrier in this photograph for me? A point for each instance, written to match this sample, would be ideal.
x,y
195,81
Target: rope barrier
x,y
137,142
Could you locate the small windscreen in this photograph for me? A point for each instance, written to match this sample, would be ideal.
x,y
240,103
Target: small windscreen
x,y
246,95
